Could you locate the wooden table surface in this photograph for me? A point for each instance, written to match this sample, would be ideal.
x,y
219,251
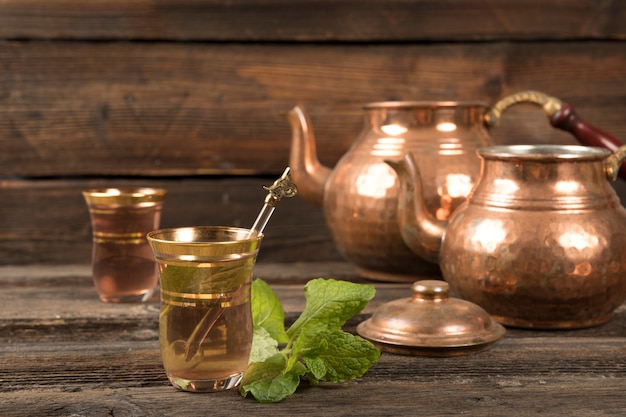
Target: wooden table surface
x,y
65,353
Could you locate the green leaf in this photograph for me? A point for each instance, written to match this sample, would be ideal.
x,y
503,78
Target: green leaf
x,y
263,345
315,344
267,312
225,278
329,304
267,381
316,367
347,357
310,349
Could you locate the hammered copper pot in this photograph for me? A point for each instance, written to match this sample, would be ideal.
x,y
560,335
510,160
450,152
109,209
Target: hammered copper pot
x,y
541,240
359,195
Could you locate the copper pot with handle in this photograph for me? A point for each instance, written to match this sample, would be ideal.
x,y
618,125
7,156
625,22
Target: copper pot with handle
x,y
359,195
562,116
541,240
423,232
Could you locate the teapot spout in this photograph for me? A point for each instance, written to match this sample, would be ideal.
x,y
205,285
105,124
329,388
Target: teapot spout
x,y
421,231
307,172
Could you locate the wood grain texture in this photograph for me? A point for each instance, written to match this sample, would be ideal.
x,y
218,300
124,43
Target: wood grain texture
x,y
313,20
188,109
47,221
69,354
189,95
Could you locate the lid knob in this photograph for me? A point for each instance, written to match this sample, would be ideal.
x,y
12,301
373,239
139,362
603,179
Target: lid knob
x,y
432,290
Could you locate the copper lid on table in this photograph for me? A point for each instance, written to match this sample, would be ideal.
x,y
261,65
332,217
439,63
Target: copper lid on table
x,y
431,323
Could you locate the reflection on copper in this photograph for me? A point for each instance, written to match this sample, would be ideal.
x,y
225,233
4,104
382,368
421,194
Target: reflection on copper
x,y
504,186
452,146
445,120
566,186
446,127
456,185
488,235
388,147
375,181
394,129
579,239
582,269
445,209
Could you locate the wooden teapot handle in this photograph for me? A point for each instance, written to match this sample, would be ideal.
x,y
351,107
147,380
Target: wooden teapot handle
x,y
567,119
562,116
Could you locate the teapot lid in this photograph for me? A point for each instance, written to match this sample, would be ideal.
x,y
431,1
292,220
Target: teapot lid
x,y
431,323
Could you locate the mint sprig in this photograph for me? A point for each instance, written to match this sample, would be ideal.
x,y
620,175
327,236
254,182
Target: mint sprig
x,y
314,346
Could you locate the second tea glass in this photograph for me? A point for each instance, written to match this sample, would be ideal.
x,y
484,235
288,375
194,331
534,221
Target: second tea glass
x,y
205,325
123,265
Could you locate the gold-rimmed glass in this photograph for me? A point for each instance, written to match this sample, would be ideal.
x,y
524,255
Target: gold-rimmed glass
x,y
205,324
123,265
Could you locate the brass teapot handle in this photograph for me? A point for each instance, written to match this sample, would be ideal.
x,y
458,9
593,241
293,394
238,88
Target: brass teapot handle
x,y
562,116
549,104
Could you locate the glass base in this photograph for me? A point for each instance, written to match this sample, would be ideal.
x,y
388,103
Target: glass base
x,y
127,298
206,385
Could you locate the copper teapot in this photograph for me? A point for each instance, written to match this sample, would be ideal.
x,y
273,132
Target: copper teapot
x,y
360,195
540,241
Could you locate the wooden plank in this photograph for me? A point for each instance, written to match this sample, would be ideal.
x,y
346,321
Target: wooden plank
x,y
47,221
186,109
574,373
72,311
312,20
583,396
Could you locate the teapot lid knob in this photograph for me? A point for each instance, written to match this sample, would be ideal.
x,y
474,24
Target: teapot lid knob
x,y
433,290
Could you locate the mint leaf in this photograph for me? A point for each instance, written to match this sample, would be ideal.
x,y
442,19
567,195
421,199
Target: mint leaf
x,y
268,382
329,304
316,370
204,280
263,345
267,312
347,357
311,349
316,346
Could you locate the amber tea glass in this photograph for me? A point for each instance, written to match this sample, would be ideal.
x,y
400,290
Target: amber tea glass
x,y
205,325
123,265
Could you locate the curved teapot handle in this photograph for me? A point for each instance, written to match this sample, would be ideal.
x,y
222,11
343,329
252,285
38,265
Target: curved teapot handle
x,y
613,163
567,119
562,116
549,104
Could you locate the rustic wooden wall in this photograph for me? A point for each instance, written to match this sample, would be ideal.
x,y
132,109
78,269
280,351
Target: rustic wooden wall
x,y
188,95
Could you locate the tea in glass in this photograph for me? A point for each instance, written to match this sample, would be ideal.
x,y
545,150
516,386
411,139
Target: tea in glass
x,y
205,324
123,265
